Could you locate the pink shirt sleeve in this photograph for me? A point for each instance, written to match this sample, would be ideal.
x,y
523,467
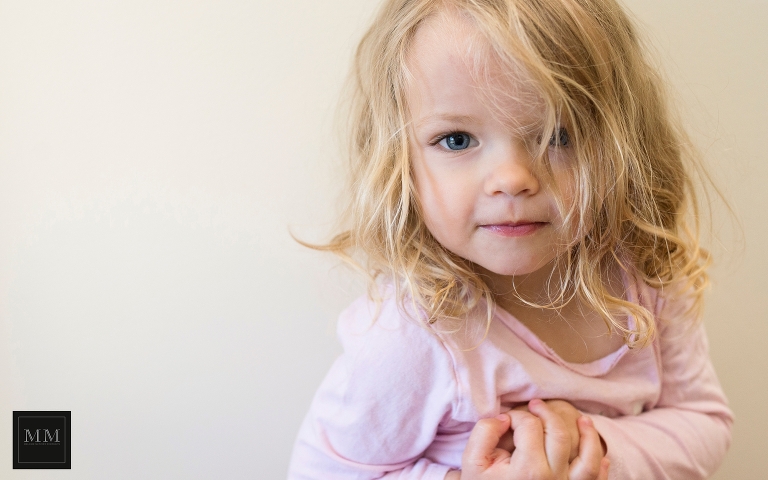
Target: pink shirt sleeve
x,y
379,407
687,433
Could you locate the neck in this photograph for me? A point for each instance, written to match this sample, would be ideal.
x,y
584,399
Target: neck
x,y
512,291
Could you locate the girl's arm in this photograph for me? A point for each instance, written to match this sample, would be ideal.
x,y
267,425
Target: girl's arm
x,y
687,433
379,407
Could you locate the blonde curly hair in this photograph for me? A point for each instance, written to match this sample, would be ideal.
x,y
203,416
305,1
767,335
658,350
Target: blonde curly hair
x,y
635,204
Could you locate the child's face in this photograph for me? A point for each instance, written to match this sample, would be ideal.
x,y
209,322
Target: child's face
x,y
472,144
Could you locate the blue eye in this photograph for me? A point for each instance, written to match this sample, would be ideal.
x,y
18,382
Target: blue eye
x,y
560,138
456,141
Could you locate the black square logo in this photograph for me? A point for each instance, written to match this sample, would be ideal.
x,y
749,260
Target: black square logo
x,y
41,440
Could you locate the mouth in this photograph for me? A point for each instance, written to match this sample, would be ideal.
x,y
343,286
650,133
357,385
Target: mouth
x,y
514,229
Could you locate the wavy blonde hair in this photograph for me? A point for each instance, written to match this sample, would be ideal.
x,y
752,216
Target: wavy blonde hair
x,y
635,204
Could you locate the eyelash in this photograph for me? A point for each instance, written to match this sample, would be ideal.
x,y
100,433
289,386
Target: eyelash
x,y
560,138
442,137
466,142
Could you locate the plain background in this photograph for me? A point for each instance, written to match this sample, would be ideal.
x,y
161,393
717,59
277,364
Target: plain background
x,y
155,153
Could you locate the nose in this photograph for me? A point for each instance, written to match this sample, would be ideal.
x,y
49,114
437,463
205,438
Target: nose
x,y
511,172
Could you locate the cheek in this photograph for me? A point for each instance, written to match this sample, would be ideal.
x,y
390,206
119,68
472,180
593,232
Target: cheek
x,y
435,205
563,194
444,203
575,224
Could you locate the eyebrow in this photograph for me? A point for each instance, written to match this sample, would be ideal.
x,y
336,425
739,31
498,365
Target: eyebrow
x,y
526,128
449,117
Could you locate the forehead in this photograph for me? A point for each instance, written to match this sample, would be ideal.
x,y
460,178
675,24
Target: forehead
x,y
454,68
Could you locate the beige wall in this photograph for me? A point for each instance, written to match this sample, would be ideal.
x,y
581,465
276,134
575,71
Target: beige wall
x,y
153,154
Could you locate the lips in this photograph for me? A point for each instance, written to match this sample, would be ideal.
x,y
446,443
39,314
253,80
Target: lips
x,y
516,229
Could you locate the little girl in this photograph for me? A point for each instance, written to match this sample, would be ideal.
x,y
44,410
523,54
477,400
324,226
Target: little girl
x,y
522,199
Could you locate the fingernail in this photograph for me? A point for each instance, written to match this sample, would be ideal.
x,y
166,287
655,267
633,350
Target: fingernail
x,y
503,417
535,401
587,421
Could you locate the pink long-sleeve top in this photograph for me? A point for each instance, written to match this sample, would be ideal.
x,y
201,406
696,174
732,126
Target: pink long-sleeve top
x,y
401,400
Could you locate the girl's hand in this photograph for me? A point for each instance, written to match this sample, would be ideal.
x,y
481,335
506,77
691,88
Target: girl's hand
x,y
567,412
542,448
483,460
591,463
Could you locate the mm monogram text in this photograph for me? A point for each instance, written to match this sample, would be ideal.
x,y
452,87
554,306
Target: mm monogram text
x,y
35,437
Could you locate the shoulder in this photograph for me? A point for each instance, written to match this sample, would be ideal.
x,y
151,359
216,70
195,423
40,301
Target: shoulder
x,y
673,308
388,330
387,393
669,305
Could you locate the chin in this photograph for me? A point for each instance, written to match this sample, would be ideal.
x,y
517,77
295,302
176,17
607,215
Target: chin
x,y
508,270
515,269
